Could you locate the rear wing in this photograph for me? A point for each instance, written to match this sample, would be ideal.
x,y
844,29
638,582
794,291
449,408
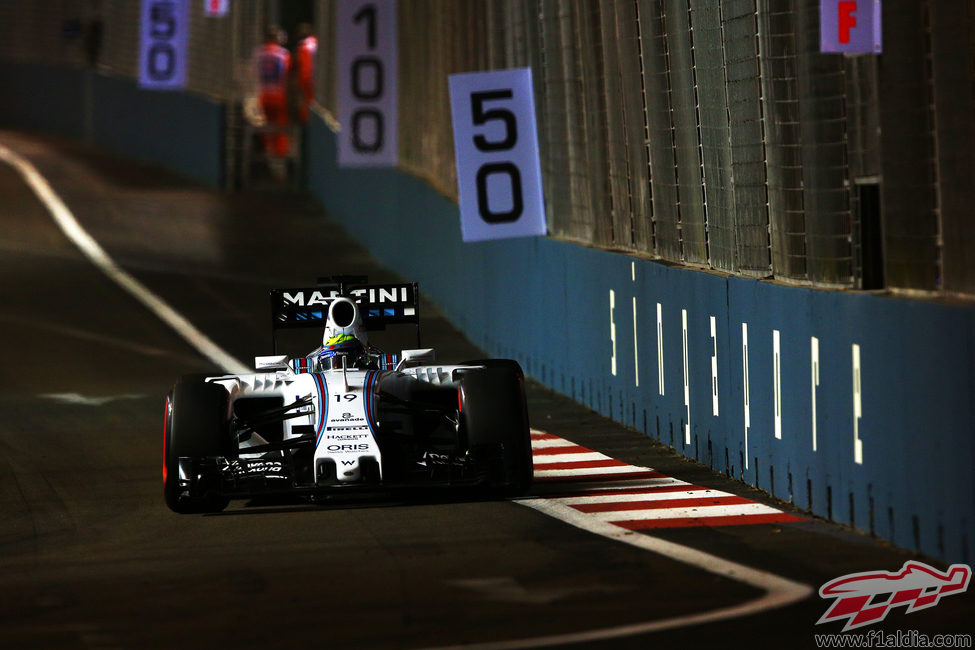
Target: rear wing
x,y
379,305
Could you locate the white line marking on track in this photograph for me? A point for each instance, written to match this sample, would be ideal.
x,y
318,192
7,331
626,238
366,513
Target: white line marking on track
x,y
86,335
779,591
507,589
686,513
645,495
84,400
609,486
573,458
94,252
586,471
556,442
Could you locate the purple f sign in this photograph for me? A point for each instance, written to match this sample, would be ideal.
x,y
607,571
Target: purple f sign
x,y
850,26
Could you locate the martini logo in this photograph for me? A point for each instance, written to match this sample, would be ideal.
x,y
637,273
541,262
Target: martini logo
x,y
866,598
373,295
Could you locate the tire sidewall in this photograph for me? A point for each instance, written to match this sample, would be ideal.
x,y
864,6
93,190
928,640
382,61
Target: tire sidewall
x,y
196,424
495,416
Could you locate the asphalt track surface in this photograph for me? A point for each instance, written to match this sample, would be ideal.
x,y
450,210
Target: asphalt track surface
x,y
90,557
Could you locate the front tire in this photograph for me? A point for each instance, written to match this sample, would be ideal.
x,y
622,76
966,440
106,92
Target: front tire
x,y
196,424
494,419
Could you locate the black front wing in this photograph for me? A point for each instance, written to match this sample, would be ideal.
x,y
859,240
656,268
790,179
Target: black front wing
x,y
251,477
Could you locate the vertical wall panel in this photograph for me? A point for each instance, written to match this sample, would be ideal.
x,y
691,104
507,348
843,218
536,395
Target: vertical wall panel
x,y
617,137
715,134
747,136
593,214
690,182
554,127
580,124
620,219
911,221
825,177
634,118
660,129
863,157
953,71
863,117
325,74
780,90
626,128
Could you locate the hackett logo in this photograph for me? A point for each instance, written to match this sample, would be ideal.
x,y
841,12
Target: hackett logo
x,y
866,598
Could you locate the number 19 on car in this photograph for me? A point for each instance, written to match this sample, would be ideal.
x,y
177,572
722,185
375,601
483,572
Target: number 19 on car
x,y
496,146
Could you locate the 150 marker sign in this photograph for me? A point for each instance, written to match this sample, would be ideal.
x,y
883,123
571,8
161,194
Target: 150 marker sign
x,y
367,88
496,146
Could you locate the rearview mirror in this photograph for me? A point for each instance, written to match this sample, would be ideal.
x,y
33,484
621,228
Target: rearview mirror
x,y
274,362
416,357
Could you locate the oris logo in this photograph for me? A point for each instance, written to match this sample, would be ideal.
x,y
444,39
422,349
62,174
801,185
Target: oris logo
x,y
347,448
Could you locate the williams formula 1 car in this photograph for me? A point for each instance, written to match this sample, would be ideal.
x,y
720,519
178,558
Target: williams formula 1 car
x,y
347,416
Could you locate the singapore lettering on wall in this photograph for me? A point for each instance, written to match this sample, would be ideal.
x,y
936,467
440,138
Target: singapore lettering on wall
x,y
777,357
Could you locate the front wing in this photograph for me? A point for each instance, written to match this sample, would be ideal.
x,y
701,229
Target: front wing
x,y
252,477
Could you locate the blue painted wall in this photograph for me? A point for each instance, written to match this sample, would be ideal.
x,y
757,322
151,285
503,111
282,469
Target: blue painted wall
x,y
181,131
547,304
42,98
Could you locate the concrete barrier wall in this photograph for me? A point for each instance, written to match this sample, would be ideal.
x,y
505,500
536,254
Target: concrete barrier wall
x,y
894,422
181,131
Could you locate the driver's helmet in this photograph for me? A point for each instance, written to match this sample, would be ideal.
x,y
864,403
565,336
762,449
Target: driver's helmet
x,y
334,348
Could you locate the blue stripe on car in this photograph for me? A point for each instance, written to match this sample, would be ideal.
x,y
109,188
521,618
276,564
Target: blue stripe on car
x,y
370,415
322,406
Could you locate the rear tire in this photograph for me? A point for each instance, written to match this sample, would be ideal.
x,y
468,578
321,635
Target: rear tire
x,y
494,418
196,425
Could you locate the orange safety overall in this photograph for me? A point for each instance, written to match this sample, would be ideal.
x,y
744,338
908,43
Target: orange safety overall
x,y
273,67
306,74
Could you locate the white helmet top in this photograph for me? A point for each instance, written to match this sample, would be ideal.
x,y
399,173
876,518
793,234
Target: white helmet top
x,y
344,319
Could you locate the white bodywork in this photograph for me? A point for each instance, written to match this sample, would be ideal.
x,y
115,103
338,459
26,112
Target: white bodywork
x,y
345,429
